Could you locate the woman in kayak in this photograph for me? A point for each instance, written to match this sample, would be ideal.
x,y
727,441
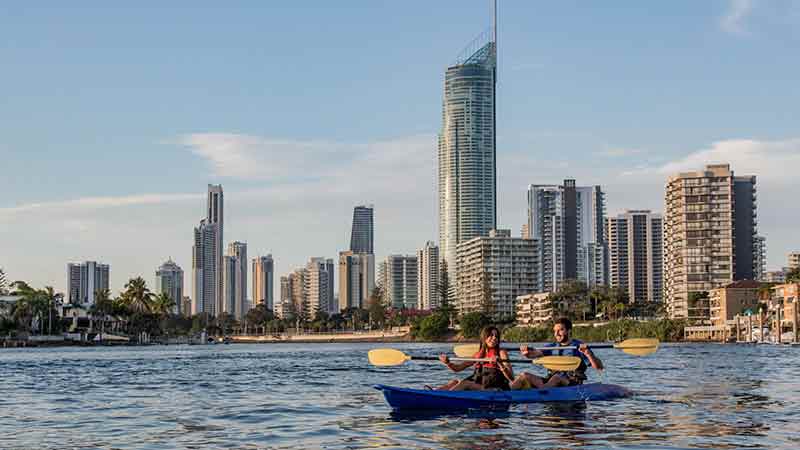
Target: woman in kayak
x,y
487,375
561,332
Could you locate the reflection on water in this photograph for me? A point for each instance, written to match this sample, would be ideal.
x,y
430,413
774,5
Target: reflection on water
x,y
296,396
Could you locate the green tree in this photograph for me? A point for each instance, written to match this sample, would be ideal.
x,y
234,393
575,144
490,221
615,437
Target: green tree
x,y
162,305
102,308
258,317
488,305
377,308
569,299
472,323
137,296
433,326
793,276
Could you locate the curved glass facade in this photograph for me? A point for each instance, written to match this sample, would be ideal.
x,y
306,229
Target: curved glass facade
x,y
467,155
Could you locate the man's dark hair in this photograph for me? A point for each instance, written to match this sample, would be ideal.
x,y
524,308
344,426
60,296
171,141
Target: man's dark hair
x,y
566,323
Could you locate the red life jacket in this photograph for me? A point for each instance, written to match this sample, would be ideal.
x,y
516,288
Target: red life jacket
x,y
490,353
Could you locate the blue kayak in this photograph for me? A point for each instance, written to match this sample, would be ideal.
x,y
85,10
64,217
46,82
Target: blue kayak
x,y
404,398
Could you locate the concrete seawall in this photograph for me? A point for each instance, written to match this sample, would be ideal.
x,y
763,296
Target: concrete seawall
x,y
373,336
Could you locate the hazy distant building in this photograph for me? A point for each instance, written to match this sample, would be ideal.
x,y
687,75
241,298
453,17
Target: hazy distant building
x,y
568,222
84,280
215,216
506,265
793,260
169,280
401,281
760,263
356,279
318,279
428,273
186,306
297,281
264,281
709,234
283,308
235,280
467,175
635,254
363,233
775,276
204,269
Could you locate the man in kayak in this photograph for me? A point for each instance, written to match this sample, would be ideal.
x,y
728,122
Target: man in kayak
x,y
488,375
561,332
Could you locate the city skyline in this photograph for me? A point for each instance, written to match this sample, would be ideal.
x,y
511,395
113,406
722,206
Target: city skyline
x,y
564,111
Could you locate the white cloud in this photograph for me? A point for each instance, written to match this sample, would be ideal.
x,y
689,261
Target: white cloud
x,y
89,203
734,18
770,161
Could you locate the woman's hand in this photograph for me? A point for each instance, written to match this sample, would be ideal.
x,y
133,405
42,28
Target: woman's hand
x,y
530,353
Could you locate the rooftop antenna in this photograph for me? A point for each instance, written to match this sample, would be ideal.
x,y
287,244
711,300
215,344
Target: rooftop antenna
x,y
494,24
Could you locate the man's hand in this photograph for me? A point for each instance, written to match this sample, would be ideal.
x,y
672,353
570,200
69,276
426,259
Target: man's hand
x,y
530,352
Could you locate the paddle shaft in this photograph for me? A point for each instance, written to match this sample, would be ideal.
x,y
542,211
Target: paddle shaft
x,y
566,347
485,360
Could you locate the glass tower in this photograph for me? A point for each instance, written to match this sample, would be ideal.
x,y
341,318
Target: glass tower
x,y
467,151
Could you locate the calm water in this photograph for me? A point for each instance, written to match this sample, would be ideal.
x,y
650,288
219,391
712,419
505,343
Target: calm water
x,y
319,396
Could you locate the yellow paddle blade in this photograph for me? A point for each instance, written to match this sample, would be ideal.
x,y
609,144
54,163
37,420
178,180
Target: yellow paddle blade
x,y
466,350
559,363
387,357
638,346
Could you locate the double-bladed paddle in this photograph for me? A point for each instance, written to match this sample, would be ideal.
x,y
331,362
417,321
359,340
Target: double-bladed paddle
x,y
392,357
636,346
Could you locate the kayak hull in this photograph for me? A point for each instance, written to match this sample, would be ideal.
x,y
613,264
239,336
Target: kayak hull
x,y
404,398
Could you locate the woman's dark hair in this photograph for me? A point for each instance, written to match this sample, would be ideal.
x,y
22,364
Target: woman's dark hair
x,y
566,323
485,333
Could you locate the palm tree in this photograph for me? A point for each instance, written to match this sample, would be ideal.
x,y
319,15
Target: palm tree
x,y
137,296
162,305
102,308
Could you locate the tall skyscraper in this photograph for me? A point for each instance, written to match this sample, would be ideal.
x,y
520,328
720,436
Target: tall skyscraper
x,y
709,235
283,307
319,285
356,279
264,281
297,281
169,280
635,254
84,280
236,280
568,222
467,148
428,272
215,216
363,233
504,264
401,281
205,269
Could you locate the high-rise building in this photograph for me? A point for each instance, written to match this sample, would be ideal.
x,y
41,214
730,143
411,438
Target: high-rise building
x,y
428,272
356,279
205,269
467,148
264,281
215,216
505,265
635,254
283,308
236,280
84,280
793,260
709,235
318,280
363,233
760,263
568,223
402,280
169,280
297,281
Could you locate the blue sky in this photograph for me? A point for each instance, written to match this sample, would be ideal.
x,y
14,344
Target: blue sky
x,y
114,118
